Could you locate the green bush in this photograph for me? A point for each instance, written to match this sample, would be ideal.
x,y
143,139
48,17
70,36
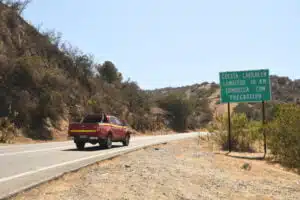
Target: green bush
x,y
284,135
109,72
28,72
51,105
244,133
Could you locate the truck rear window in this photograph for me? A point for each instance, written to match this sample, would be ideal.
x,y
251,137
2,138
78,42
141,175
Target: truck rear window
x,y
93,119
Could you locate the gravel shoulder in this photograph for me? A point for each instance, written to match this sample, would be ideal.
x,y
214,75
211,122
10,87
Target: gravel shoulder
x,y
178,170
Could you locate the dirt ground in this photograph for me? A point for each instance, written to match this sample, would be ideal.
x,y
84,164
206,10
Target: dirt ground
x,y
179,170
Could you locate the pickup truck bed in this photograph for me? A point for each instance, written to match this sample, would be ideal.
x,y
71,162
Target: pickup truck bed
x,y
102,129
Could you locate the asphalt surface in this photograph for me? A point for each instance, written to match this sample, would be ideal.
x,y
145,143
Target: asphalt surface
x,y
25,166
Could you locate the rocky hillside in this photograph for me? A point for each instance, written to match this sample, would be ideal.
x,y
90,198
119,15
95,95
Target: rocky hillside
x,y
45,83
284,90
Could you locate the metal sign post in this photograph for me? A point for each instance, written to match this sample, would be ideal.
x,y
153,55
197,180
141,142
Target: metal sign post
x,y
229,128
263,128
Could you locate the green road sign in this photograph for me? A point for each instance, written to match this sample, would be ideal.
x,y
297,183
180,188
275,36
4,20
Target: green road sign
x,y
245,86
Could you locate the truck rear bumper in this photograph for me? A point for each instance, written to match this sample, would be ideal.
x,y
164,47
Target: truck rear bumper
x,y
88,138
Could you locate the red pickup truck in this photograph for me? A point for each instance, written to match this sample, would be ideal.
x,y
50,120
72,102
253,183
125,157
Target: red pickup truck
x,y
99,128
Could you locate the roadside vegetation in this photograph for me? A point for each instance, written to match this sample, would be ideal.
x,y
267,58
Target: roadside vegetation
x,y
186,113
284,135
245,135
282,130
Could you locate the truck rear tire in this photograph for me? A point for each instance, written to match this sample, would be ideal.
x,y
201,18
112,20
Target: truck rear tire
x,y
126,140
108,142
80,145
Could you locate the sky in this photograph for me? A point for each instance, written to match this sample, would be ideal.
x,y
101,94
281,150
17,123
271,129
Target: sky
x,y
162,43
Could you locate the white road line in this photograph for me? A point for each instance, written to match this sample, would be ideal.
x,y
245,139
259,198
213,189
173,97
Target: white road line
x,y
34,144
33,151
60,164
47,149
70,146
90,157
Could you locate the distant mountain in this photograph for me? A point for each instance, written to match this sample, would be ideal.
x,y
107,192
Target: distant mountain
x,y
284,90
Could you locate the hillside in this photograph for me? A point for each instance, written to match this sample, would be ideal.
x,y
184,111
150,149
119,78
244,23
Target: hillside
x,y
46,83
284,90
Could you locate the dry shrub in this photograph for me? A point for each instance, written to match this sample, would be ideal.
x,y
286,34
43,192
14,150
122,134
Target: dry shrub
x,y
28,72
8,131
284,135
244,134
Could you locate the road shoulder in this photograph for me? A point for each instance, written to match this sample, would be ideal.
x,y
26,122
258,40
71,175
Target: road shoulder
x,y
176,170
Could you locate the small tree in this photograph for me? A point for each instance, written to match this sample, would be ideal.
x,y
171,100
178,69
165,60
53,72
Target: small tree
x,y
180,109
109,72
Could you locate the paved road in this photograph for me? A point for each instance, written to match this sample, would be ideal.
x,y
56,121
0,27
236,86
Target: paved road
x,y
25,166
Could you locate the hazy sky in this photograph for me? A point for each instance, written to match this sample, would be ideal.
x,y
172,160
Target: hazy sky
x,y
161,43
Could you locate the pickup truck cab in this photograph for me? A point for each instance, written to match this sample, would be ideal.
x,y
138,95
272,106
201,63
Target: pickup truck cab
x,y
99,128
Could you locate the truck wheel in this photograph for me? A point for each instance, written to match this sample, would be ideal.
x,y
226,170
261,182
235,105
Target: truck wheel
x,y
108,142
80,145
126,140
